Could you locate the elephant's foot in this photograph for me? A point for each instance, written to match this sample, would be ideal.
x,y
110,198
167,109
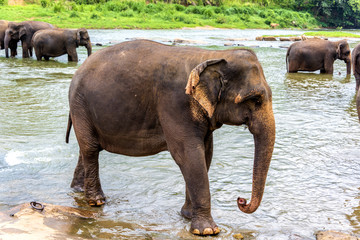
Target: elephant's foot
x,y
97,201
204,226
186,211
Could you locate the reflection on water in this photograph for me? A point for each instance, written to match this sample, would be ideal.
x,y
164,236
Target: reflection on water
x,y
313,181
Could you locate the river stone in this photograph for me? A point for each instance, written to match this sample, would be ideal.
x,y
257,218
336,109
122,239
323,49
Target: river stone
x,y
54,222
333,235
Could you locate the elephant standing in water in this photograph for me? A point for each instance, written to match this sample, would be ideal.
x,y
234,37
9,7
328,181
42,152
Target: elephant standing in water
x,y
12,44
56,42
356,70
23,31
317,54
139,98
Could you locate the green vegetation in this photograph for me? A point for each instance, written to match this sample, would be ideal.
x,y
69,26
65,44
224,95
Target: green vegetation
x,y
159,15
328,34
332,34
155,14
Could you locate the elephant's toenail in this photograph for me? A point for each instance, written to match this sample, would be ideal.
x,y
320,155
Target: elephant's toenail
x,y
196,231
208,231
216,230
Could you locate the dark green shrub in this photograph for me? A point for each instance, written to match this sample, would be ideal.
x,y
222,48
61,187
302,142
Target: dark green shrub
x,y
208,13
127,13
44,3
94,16
180,8
116,6
221,19
154,8
74,15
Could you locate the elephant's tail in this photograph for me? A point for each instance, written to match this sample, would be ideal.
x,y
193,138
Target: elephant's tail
x,y
68,129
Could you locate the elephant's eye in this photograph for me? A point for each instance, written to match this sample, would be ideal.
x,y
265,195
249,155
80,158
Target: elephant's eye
x,y
347,53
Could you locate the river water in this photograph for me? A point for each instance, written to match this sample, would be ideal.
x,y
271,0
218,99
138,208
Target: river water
x,y
313,182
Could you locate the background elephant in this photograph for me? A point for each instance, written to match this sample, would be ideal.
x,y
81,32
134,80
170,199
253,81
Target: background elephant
x,y
24,31
3,27
139,98
355,58
317,54
11,44
56,42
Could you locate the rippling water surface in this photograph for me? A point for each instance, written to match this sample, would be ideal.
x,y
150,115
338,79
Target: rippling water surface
x,y
313,182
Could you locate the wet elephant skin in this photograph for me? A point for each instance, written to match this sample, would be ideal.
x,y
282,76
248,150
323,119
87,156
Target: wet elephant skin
x,y
317,54
139,98
56,42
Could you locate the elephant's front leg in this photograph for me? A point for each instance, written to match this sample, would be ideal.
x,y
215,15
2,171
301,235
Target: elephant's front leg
x,y
25,53
92,186
186,210
191,160
72,55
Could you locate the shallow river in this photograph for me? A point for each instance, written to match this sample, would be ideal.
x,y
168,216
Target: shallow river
x,y
313,182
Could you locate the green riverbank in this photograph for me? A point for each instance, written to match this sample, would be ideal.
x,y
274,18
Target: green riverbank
x,y
140,15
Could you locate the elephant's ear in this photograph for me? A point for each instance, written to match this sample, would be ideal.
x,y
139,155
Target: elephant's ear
x,y
204,91
340,47
22,31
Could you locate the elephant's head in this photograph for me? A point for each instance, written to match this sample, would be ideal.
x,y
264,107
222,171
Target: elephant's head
x,y
234,91
343,53
83,39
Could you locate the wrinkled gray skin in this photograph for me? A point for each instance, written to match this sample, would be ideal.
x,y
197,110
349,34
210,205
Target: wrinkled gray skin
x,y
317,54
11,44
139,98
356,71
56,42
23,31
3,27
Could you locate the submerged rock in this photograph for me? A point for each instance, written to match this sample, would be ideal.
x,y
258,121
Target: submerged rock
x,y
333,235
53,222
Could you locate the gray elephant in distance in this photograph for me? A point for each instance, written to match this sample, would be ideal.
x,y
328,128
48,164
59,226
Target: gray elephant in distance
x,y
317,54
139,98
356,71
56,42
23,32
12,44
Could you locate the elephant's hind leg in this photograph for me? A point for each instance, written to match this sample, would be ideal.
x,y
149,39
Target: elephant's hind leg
x,y
93,191
88,164
79,176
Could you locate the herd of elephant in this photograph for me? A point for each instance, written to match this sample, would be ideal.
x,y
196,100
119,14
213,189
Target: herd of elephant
x,y
47,40
140,97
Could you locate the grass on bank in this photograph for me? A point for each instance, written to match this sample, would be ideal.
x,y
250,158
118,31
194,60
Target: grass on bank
x,y
137,14
331,34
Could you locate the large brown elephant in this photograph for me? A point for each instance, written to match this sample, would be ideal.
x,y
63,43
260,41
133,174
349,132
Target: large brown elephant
x,y
317,54
139,98
23,31
56,42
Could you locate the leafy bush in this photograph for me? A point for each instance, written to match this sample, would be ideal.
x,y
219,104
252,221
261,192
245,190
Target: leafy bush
x,y
116,6
43,3
208,13
74,15
154,8
179,8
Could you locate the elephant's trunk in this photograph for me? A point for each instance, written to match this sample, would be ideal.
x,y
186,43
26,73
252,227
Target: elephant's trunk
x,y
348,67
89,48
6,43
262,126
